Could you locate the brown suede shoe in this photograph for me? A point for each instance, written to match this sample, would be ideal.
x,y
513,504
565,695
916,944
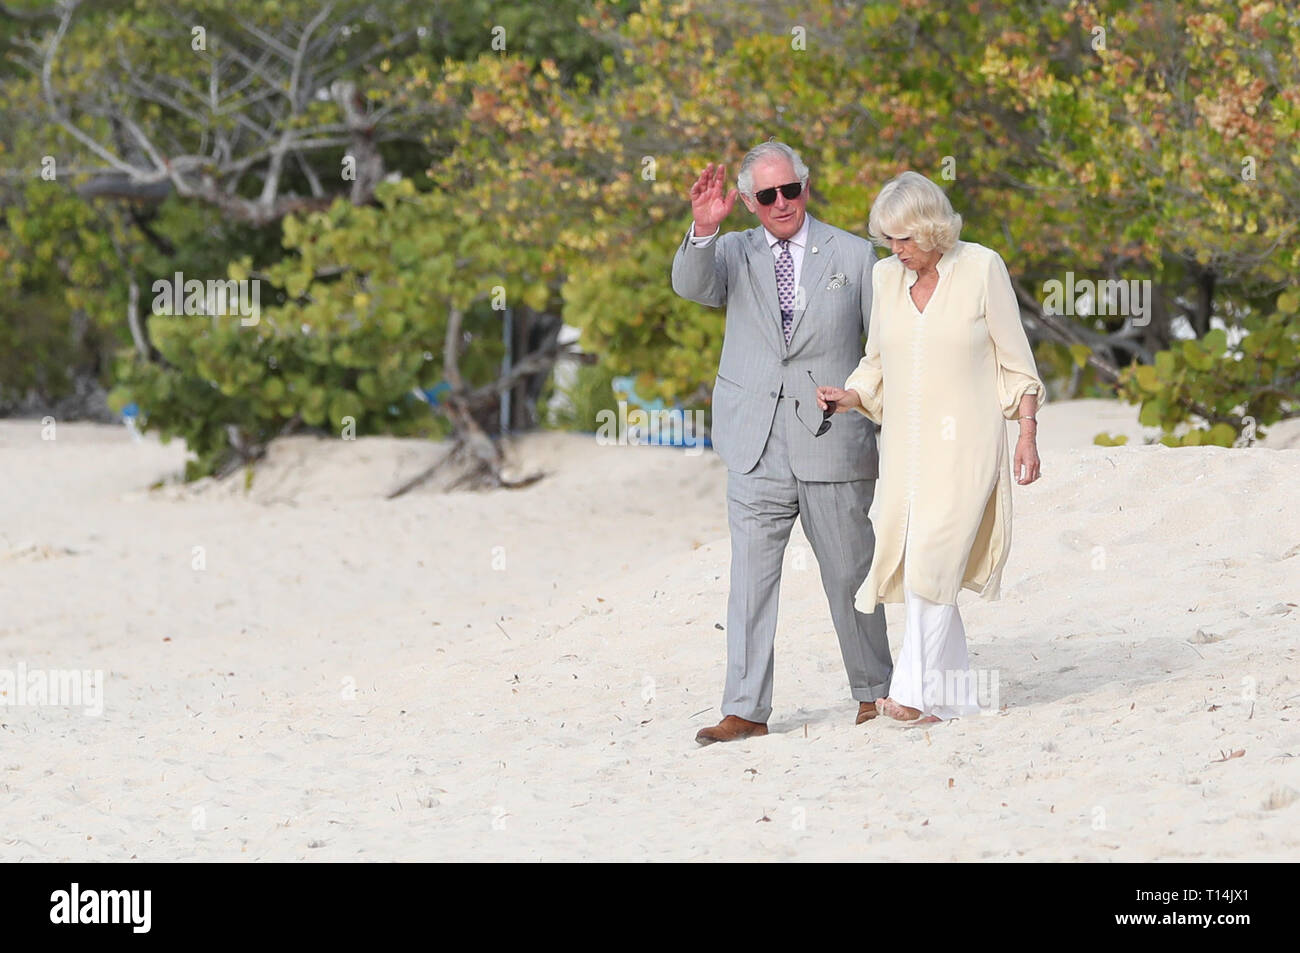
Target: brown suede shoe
x,y
866,711
731,728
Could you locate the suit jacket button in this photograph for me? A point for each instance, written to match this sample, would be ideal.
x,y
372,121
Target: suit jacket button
x,y
785,362
772,394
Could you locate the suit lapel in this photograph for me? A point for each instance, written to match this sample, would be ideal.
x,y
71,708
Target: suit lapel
x,y
815,266
762,266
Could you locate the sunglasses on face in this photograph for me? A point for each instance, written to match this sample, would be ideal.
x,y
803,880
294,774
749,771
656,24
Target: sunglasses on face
x,y
827,414
790,190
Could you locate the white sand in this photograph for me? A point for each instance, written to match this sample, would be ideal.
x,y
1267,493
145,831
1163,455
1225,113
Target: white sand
x,y
545,707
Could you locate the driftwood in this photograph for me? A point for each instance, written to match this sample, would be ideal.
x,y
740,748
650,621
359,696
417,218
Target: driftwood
x,y
470,441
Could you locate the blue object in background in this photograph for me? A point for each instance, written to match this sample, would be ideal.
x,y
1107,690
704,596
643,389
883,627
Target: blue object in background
x,y
131,418
669,437
672,436
432,395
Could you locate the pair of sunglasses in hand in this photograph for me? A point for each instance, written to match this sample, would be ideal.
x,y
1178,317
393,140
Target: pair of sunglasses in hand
x,y
826,414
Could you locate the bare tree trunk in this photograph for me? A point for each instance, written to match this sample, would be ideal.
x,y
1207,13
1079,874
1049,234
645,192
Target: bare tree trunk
x,y
1205,281
133,319
369,164
469,438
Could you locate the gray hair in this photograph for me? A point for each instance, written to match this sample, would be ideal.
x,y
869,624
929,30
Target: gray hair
x,y
911,205
768,150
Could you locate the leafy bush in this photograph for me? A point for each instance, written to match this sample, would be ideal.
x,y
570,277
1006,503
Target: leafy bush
x,y
355,329
1215,393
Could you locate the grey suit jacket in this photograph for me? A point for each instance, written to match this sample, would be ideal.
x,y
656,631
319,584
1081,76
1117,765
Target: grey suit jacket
x,y
737,270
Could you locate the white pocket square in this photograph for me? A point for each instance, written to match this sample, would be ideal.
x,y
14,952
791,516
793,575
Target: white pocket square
x,y
837,281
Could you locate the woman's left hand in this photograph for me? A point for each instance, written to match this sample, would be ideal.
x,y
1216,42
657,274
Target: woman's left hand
x,y
1027,467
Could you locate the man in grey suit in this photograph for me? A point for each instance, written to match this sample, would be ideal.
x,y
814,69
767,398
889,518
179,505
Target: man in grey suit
x,y
798,300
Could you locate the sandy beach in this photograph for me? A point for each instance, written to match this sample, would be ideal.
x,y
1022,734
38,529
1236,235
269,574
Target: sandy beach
x,y
300,669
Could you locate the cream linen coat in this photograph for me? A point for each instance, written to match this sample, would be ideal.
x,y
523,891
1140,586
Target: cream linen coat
x,y
941,383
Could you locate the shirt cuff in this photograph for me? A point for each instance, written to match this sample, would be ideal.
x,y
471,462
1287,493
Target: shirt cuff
x,y
700,242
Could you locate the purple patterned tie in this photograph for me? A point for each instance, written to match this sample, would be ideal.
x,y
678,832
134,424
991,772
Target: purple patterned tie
x,y
785,287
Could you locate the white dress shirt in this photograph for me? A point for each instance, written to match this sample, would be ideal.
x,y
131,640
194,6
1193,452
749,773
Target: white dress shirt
x,y
798,243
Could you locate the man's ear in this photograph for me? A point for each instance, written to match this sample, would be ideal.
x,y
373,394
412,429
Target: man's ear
x,y
749,203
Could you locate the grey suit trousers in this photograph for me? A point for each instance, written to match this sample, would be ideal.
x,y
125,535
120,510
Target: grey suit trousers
x,y
761,508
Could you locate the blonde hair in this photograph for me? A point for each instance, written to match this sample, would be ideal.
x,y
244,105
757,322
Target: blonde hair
x,y
912,206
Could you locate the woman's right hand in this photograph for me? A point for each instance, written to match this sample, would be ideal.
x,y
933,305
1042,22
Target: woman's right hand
x,y
844,400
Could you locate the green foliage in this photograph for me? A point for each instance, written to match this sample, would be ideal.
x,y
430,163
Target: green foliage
x,y
63,257
558,170
37,352
1110,139
533,31
228,389
1218,391
364,295
57,281
629,313
1110,440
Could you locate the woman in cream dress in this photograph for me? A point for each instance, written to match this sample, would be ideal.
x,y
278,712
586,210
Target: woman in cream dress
x,y
947,362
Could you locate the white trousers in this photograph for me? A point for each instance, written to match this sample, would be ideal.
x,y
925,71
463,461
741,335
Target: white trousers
x,y
933,672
